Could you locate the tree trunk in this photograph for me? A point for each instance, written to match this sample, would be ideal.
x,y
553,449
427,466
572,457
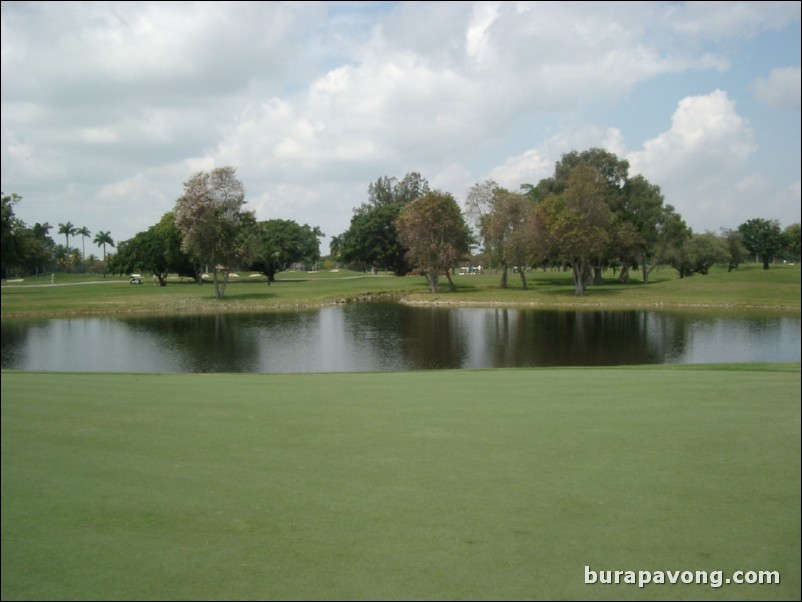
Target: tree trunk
x,y
523,278
579,270
765,262
597,274
644,269
504,276
434,280
220,287
623,277
451,285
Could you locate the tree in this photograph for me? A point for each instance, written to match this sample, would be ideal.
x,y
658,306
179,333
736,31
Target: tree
x,y
435,234
284,242
388,190
479,202
372,238
178,260
37,248
623,241
673,233
67,230
101,240
612,171
763,238
706,250
737,252
156,250
215,228
10,225
574,223
638,210
142,253
792,240
502,218
83,232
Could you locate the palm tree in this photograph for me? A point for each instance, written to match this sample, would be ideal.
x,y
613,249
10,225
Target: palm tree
x,y
42,231
103,239
67,230
83,232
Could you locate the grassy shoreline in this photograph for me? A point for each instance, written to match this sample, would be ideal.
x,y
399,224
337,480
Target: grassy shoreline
x,y
750,288
491,484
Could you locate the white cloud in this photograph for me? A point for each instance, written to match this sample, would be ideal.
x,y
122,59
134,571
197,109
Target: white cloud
x,y
123,188
710,20
706,132
312,101
527,168
781,88
699,162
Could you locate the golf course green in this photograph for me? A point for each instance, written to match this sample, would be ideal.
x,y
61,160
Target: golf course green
x,y
502,484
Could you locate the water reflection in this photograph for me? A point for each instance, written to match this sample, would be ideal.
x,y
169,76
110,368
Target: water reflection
x,y
368,337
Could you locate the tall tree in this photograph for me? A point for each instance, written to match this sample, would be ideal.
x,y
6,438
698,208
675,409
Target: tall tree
x,y
574,223
435,233
37,248
284,242
101,240
156,250
792,240
612,171
610,180
372,238
736,251
10,228
83,232
638,210
504,230
215,228
387,190
67,230
671,245
763,238
706,250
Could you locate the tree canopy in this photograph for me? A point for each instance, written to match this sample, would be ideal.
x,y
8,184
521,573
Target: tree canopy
x,y
284,242
573,224
763,238
156,250
215,229
434,231
372,238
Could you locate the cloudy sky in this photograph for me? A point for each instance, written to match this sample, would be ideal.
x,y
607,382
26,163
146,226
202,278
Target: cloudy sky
x,y
107,108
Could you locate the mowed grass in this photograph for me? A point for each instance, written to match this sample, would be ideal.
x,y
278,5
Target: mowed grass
x,y
436,485
749,287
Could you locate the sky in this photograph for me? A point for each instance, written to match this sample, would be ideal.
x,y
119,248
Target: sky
x,y
109,107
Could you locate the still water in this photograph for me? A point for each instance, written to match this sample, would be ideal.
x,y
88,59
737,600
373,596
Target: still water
x,y
388,336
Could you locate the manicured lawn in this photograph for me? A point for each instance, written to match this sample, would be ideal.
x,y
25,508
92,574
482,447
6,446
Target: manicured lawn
x,y
435,485
777,289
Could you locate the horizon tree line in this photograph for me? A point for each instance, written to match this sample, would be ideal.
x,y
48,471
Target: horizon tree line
x,y
589,216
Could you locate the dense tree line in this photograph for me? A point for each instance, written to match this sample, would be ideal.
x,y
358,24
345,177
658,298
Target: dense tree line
x,y
589,216
209,230
32,251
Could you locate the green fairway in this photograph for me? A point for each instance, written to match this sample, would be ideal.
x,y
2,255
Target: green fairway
x,y
777,289
432,485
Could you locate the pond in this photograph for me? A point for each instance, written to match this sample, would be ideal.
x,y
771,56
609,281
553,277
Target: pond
x,y
389,336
